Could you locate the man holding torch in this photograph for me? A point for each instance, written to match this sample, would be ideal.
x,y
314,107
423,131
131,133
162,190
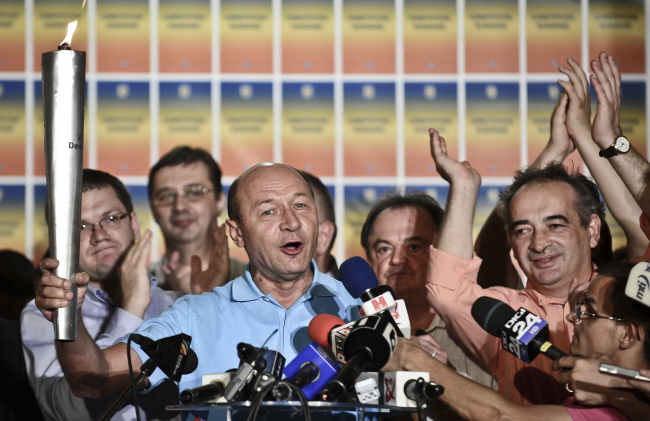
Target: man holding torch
x,y
120,296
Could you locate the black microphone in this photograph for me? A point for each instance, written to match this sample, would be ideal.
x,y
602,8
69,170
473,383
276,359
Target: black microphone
x,y
422,390
205,393
522,333
172,355
368,347
258,367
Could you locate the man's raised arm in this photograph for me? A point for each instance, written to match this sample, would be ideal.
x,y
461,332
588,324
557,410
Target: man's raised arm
x,y
90,371
633,169
455,234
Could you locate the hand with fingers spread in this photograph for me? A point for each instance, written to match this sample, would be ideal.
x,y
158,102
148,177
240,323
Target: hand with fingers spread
x,y
455,234
606,81
218,270
559,145
450,169
134,278
578,116
53,292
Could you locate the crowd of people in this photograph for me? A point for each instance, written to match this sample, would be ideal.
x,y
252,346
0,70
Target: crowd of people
x,y
551,255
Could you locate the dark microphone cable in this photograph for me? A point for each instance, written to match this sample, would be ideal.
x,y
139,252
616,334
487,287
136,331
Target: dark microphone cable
x,y
259,398
135,392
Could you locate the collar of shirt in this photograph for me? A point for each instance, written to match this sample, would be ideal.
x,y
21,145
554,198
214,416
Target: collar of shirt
x,y
543,300
244,289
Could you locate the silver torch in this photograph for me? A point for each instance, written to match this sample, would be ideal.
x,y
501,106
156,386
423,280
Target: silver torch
x,y
64,91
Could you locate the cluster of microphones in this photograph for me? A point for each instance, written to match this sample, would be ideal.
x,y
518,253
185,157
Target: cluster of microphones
x,y
342,363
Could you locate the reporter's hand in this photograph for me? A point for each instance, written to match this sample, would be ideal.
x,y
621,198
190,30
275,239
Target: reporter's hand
x,y
407,355
431,347
53,292
590,386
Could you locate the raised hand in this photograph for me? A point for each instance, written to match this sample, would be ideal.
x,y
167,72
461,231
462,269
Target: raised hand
x,y
134,278
455,233
450,169
560,139
578,117
559,145
53,292
218,270
607,85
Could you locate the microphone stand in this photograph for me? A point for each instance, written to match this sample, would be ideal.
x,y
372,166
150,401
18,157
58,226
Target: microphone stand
x,y
145,371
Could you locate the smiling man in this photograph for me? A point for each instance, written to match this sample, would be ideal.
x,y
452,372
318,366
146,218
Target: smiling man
x,y
186,197
553,220
609,327
273,217
120,296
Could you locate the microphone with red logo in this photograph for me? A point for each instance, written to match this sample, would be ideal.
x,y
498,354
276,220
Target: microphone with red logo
x,y
361,282
367,347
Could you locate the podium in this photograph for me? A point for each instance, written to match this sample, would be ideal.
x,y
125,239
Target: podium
x,y
224,411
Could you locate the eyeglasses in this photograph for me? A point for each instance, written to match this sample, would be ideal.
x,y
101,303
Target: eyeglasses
x,y
191,194
109,223
580,313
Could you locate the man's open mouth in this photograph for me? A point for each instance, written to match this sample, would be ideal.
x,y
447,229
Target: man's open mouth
x,y
292,247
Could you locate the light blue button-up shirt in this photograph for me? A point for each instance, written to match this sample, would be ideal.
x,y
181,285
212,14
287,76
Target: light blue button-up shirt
x,y
239,312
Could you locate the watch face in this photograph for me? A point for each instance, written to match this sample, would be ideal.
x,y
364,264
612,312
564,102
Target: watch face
x,y
622,145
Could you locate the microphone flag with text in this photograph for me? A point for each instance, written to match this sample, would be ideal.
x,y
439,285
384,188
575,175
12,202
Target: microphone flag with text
x,y
367,347
172,355
522,333
638,283
361,282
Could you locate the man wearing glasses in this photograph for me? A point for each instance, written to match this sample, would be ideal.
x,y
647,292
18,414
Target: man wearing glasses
x,y
120,296
608,327
186,198
274,218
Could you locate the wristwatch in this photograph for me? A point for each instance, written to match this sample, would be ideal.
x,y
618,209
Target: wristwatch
x,y
620,145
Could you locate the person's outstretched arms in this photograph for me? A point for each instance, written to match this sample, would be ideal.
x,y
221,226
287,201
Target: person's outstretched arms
x,y
618,198
592,388
632,168
471,400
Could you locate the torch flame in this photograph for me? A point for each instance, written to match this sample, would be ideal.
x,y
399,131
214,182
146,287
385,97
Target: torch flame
x,y
71,28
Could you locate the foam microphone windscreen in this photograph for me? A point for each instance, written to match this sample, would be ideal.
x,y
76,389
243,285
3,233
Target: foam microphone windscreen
x,y
491,314
191,363
357,276
320,327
